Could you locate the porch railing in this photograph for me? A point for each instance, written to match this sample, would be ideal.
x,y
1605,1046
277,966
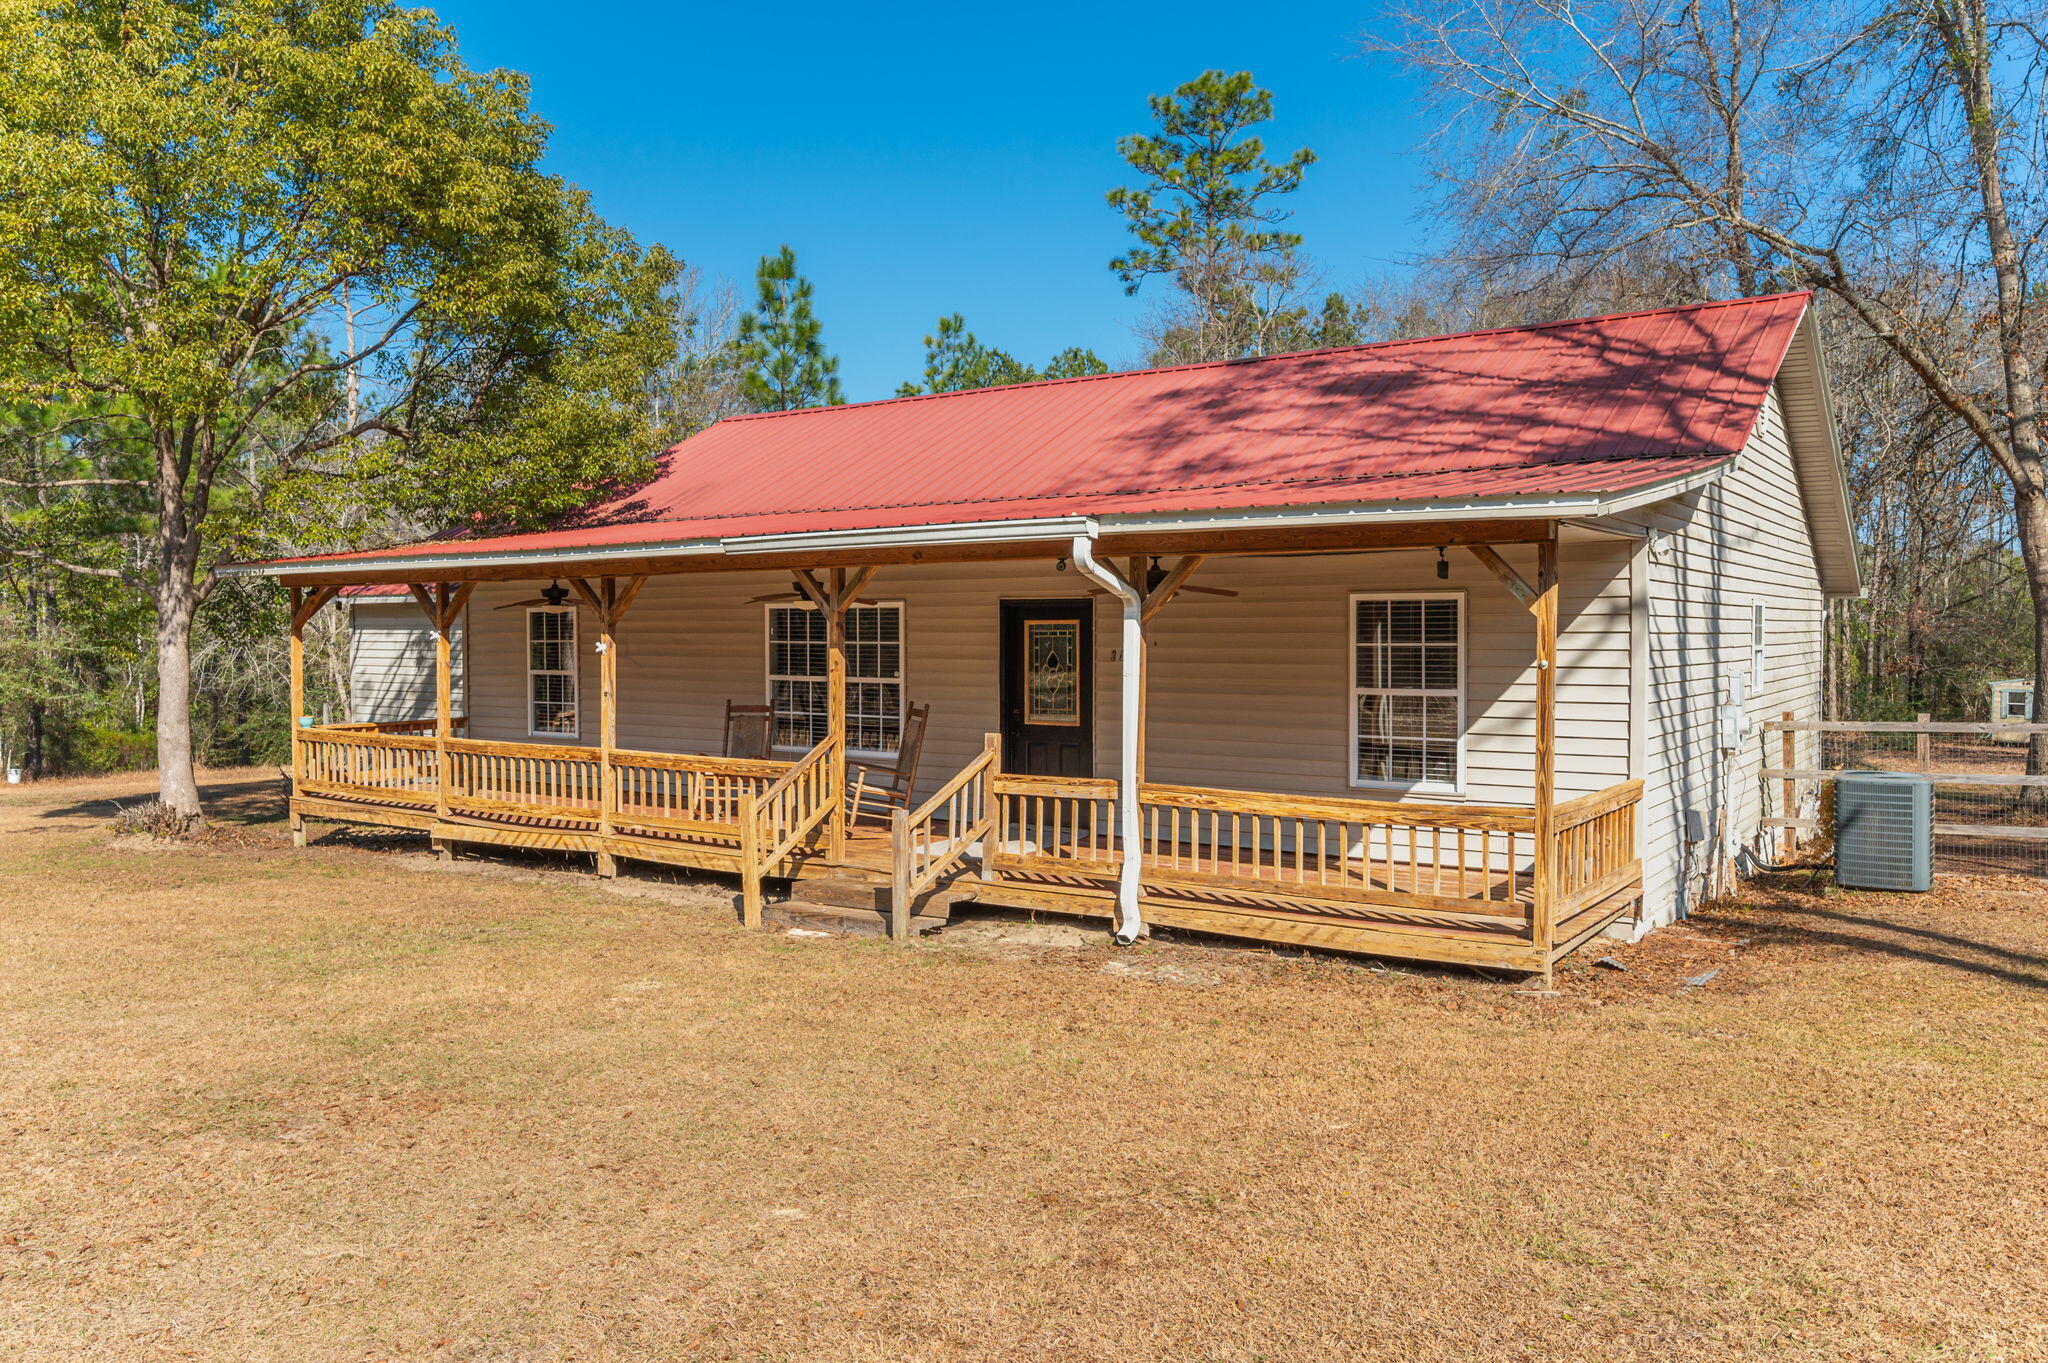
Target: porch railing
x,y
781,817
1459,865
1441,860
363,764
395,726
919,859
671,795
1596,846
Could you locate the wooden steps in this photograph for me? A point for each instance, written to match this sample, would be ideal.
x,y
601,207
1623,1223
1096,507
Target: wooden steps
x,y
856,906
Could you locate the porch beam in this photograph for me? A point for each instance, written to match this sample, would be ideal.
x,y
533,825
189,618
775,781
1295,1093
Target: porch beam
x,y
807,582
623,600
303,612
1336,539
590,597
1176,578
1490,558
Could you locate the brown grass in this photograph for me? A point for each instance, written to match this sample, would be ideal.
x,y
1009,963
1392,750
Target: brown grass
x,y
339,1104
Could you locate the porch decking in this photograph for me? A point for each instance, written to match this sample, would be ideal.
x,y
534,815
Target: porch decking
x,y
1462,883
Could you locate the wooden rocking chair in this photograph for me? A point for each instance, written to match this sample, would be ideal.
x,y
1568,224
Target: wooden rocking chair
x,y
879,787
748,729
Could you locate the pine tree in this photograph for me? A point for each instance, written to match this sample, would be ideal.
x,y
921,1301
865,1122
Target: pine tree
x,y
1206,219
787,365
956,360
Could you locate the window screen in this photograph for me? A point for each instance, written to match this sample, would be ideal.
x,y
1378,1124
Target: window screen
x,y
1408,690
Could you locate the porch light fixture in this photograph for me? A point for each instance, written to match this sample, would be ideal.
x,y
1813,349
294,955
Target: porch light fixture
x,y
1443,565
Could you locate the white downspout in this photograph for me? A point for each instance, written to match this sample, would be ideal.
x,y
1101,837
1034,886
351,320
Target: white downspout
x,y
1129,925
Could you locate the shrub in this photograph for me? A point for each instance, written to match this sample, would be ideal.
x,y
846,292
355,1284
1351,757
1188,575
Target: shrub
x,y
151,819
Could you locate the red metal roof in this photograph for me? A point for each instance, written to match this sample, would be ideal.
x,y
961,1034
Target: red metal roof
x,y
1602,404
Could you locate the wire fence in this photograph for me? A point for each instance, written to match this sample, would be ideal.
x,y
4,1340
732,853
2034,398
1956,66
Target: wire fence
x,y
1990,816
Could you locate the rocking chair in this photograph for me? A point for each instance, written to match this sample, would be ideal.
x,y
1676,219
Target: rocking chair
x,y
748,729
879,787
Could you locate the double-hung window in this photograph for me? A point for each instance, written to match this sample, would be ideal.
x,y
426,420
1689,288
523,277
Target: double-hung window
x,y
551,672
874,676
1408,691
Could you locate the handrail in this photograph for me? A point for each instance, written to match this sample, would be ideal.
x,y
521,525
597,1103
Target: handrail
x,y
969,806
1595,849
1574,812
385,726
775,820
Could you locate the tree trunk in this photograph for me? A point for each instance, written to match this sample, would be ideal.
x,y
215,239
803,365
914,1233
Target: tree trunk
x,y
2030,512
176,596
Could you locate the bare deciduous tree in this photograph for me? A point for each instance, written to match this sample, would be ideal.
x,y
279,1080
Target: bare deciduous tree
x,y
1888,154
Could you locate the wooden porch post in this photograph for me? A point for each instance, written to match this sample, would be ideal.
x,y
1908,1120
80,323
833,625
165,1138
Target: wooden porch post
x,y
443,603
304,605
444,702
1545,608
298,820
833,596
608,601
835,713
607,725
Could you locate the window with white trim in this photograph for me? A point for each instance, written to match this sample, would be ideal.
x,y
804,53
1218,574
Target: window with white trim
x,y
874,676
1408,690
551,672
1757,640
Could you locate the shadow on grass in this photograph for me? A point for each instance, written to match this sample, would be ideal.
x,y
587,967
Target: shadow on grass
x,y
243,803
1811,925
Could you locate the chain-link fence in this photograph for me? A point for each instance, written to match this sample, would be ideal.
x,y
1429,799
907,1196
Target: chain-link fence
x,y
1990,816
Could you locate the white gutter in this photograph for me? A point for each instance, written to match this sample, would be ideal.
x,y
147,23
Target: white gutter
x,y
1564,506
1129,925
906,536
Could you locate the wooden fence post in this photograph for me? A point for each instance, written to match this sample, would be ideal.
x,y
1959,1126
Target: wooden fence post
x,y
1787,750
1924,744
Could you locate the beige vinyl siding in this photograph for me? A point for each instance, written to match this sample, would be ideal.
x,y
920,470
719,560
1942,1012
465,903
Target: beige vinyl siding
x,y
692,642
1251,692
1714,552
391,663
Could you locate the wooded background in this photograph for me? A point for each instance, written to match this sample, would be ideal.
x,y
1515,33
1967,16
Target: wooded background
x,y
234,323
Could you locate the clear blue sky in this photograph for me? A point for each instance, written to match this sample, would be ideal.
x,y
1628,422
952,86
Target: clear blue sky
x,y
927,159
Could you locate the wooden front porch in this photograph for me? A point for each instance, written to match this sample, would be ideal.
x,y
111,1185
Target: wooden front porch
x,y
1510,886
1454,883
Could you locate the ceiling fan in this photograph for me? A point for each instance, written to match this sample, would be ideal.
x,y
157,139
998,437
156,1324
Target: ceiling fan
x,y
1155,575
554,594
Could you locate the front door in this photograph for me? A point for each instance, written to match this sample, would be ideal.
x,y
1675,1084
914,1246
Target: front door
x,y
1048,687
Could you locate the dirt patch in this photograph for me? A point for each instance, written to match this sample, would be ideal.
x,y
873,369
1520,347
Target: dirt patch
x,y
349,1104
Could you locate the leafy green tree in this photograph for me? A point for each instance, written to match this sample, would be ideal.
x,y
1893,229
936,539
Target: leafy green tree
x,y
955,360
787,365
1206,218
264,261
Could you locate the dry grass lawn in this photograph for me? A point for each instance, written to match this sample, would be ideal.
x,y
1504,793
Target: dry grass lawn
x,y
341,1104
